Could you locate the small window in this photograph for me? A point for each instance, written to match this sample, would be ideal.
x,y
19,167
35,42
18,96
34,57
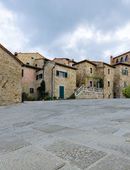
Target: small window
x,y
108,83
31,90
57,73
32,57
61,74
121,60
27,63
117,60
40,76
125,71
22,72
126,58
37,77
91,70
108,71
91,84
35,65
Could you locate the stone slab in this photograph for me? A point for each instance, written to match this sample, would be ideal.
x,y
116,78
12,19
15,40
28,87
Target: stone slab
x,y
11,144
112,162
30,158
50,128
78,155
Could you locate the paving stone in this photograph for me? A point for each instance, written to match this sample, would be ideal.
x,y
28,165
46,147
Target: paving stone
x,y
112,162
30,158
12,144
22,124
51,128
79,155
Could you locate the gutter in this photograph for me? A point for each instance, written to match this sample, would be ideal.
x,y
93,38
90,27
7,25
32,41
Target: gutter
x,y
52,80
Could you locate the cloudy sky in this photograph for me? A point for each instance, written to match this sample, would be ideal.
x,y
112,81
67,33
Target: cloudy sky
x,y
78,29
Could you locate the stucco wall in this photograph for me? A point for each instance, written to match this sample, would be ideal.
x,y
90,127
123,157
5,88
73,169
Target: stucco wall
x,y
29,81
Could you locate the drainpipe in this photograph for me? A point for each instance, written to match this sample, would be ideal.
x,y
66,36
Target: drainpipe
x,y
52,80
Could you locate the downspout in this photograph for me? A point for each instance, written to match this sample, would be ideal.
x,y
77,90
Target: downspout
x,y
52,81
103,80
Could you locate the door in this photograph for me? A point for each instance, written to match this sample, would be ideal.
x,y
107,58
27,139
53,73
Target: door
x,y
61,92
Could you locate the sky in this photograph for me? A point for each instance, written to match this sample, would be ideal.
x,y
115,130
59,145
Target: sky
x,y
76,29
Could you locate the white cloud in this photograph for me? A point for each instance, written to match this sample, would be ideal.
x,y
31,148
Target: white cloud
x,y
83,38
10,34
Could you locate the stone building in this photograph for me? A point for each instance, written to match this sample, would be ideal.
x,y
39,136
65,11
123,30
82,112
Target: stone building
x,y
94,79
106,72
10,77
123,58
60,79
121,78
37,68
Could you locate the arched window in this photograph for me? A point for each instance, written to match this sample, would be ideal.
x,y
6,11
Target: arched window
x,y
126,58
117,60
121,59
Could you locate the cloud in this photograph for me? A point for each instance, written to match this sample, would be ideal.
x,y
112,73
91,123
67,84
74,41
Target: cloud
x,y
10,34
89,42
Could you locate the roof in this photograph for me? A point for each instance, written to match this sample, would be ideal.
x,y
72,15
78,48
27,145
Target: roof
x,y
33,67
31,53
8,52
124,64
66,59
63,65
84,61
104,63
121,54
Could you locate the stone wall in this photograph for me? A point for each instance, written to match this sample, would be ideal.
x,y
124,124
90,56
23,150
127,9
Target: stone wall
x,y
10,79
31,59
84,74
108,81
120,80
124,58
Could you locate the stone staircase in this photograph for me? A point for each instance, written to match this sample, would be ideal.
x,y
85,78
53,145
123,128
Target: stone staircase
x,y
89,93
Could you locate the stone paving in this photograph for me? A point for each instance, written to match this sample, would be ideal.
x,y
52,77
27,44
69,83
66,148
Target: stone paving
x,y
66,135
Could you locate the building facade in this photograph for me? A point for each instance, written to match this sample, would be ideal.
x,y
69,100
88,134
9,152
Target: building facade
x,y
10,77
121,79
60,80
97,77
123,58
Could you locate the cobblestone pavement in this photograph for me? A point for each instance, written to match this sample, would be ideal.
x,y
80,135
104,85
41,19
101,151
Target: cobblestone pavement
x,y
66,135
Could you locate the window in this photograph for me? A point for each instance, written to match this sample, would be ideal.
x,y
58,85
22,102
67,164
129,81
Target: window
x,y
32,57
117,60
126,58
108,71
91,84
108,83
125,71
35,65
27,63
22,72
61,74
37,77
91,70
40,76
31,90
121,60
